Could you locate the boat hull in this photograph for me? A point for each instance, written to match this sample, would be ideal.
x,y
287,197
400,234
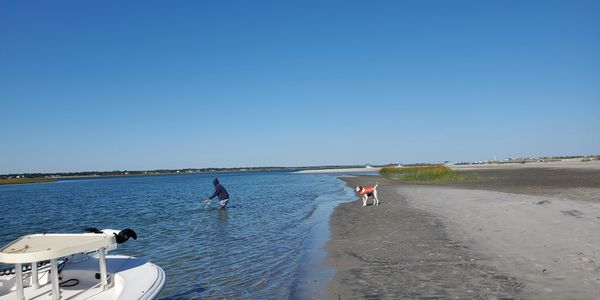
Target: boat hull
x,y
129,278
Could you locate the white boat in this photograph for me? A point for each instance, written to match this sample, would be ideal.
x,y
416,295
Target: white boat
x,y
76,266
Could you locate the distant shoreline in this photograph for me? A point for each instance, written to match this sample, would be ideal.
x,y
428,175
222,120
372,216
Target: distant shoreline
x,y
26,181
48,178
86,174
570,164
32,178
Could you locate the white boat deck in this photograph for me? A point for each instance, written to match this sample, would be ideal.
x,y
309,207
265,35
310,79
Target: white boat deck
x,y
40,247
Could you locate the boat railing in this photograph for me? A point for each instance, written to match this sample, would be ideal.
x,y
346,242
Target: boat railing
x,y
32,249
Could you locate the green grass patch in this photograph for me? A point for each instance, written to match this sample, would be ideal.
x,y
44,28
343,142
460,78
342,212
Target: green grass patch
x,y
26,180
430,174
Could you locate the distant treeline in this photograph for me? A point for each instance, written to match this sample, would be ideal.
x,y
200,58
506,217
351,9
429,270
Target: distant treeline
x,y
26,180
161,172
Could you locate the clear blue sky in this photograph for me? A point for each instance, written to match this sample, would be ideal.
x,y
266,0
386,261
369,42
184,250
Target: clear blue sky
x,y
104,85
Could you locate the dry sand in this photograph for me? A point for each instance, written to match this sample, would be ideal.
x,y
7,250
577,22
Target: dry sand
x,y
522,233
549,244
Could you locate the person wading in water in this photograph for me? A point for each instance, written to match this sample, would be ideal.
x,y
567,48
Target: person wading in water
x,y
220,192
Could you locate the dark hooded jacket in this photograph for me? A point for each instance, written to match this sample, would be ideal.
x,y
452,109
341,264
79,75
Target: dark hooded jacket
x,y
220,191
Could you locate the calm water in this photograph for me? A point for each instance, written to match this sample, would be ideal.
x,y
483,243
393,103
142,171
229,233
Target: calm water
x,y
262,245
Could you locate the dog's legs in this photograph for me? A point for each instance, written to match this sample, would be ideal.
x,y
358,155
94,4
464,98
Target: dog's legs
x,y
375,199
364,200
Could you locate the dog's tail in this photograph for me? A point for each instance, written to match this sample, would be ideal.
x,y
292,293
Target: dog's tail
x,y
376,184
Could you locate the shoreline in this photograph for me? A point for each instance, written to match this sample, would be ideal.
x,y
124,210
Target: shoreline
x,y
25,181
314,274
100,177
486,239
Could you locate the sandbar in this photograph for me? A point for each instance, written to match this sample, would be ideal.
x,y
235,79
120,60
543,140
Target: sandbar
x,y
515,233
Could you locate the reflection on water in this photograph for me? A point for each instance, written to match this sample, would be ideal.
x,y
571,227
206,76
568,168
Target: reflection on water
x,y
252,249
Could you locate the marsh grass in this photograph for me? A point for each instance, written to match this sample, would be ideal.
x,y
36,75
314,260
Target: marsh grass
x,y
26,180
435,174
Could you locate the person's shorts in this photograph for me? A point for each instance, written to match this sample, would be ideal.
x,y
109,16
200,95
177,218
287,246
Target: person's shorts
x,y
223,203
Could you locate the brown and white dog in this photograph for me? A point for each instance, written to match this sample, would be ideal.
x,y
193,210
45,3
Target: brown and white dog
x,y
367,191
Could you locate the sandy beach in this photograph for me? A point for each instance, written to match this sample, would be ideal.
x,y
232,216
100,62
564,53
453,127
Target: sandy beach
x,y
523,232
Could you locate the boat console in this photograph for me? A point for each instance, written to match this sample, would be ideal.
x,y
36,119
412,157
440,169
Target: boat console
x,y
76,266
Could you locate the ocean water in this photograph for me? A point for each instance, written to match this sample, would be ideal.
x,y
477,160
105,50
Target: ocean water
x,y
268,243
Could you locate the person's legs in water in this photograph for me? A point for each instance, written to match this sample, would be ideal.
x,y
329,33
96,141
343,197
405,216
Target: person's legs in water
x,y
223,203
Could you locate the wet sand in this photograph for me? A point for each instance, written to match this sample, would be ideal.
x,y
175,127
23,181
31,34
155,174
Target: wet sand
x,y
522,233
